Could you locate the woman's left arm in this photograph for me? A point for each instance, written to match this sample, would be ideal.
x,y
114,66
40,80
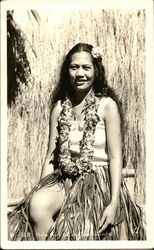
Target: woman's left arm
x,y
111,117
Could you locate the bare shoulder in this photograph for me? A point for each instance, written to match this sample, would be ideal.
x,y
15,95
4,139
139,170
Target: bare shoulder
x,y
56,109
111,109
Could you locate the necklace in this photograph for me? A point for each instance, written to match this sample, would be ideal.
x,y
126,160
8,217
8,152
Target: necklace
x,y
67,163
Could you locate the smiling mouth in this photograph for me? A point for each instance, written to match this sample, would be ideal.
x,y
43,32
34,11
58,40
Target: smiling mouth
x,y
80,81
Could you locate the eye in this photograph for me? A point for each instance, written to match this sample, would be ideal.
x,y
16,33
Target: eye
x,y
73,67
87,67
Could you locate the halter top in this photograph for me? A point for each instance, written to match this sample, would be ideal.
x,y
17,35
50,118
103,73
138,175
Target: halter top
x,y
100,143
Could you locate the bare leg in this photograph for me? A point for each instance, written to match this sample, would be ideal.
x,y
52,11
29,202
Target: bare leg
x,y
41,228
45,203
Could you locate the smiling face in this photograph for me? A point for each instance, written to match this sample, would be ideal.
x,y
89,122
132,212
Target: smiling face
x,y
81,71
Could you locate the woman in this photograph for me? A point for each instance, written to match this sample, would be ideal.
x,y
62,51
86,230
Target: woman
x,y
81,194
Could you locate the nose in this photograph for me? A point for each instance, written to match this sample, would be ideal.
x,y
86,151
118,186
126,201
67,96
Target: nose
x,y
80,72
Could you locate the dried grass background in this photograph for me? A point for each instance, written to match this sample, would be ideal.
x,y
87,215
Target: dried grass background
x,y
121,33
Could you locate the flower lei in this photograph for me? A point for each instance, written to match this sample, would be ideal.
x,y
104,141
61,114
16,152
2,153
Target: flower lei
x,y
77,165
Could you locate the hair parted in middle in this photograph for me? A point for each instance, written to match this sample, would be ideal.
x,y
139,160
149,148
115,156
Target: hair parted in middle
x,y
64,87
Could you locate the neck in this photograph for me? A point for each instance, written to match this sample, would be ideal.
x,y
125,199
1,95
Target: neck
x,y
80,96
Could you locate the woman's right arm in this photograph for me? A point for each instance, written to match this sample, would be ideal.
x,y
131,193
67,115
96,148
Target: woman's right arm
x,y
48,168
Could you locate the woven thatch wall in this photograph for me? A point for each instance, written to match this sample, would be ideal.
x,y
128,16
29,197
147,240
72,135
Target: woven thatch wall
x,y
122,36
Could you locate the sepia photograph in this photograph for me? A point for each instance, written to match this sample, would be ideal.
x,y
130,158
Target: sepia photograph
x,y
76,165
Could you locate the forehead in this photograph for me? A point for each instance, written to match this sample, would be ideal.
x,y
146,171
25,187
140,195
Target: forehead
x,y
82,57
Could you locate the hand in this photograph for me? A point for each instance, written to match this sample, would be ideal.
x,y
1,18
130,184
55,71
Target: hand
x,y
108,218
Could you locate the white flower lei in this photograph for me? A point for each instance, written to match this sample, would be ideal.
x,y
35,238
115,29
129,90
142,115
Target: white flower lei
x,y
77,165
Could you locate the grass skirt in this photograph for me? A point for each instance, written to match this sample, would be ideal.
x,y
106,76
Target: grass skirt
x,y
79,219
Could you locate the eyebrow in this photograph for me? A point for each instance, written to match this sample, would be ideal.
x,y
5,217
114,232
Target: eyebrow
x,y
82,64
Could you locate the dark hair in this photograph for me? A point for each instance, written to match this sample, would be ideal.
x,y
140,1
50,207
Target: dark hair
x,y
100,85
64,87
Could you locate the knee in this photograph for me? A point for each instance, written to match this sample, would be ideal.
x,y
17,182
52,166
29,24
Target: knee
x,y
38,206
45,203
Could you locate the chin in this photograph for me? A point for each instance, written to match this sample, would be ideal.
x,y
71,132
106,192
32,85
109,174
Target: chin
x,y
82,88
